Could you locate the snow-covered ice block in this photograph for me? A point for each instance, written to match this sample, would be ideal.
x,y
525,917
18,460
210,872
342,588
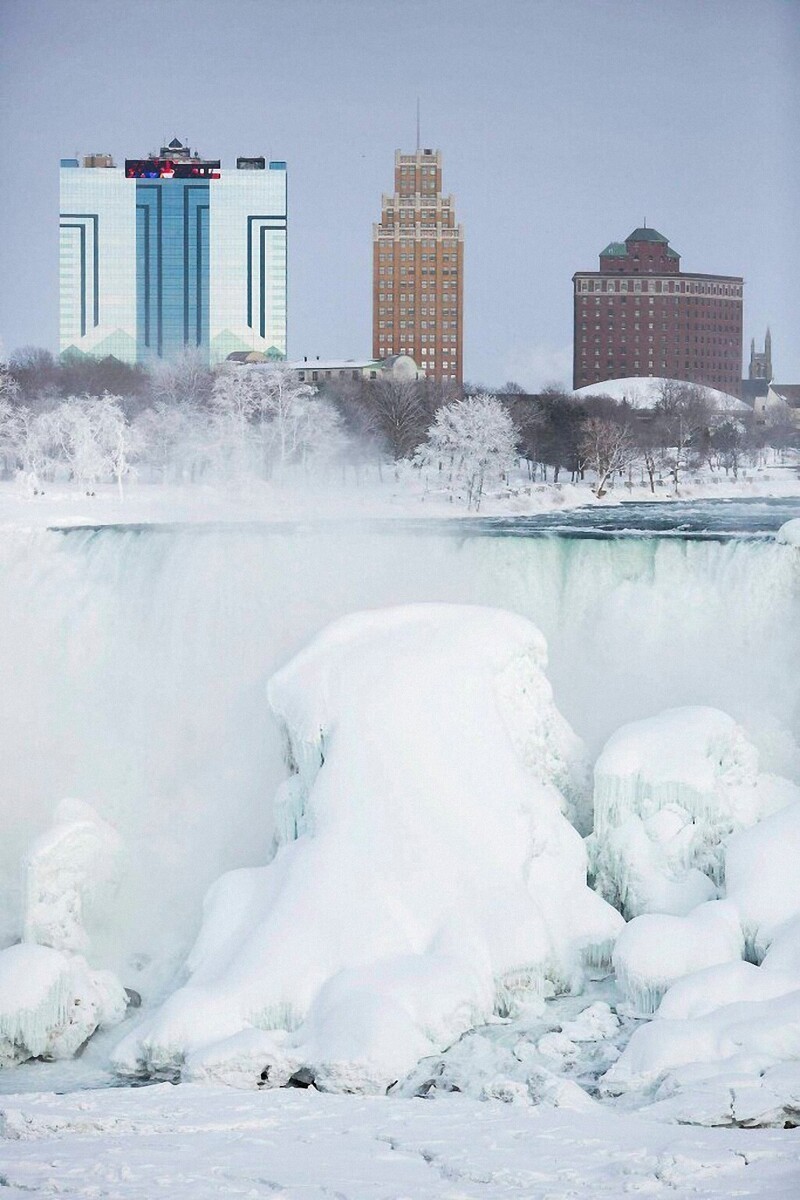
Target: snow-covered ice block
x,y
50,1003
656,949
705,991
700,1060
668,792
789,533
63,866
425,873
762,870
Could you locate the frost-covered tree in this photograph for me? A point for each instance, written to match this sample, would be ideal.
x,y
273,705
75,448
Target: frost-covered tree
x,y
474,440
118,441
606,446
683,415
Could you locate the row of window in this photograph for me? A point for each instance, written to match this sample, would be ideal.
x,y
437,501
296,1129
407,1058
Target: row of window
x,y
658,285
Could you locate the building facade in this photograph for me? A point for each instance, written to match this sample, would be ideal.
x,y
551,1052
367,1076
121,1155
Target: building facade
x,y
399,369
418,271
172,253
640,315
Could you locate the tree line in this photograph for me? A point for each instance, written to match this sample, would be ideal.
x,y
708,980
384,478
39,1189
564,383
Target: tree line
x,y
92,421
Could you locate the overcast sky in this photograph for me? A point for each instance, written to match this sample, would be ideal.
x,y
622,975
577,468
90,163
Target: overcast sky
x,y
563,124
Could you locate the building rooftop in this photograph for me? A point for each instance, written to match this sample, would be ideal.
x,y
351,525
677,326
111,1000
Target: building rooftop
x,y
614,250
644,234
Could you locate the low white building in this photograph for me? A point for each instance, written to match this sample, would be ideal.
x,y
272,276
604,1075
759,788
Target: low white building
x,y
399,368
781,403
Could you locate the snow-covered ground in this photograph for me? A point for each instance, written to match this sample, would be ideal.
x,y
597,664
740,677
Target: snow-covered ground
x,y
357,496
201,1143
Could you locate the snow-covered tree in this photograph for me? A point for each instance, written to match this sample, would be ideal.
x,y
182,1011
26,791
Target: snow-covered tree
x,y
119,443
606,447
474,440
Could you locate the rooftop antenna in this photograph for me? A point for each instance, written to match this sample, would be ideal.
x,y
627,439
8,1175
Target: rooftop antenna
x,y
417,124
644,226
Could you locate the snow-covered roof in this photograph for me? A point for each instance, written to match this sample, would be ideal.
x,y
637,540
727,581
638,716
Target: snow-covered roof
x,y
643,391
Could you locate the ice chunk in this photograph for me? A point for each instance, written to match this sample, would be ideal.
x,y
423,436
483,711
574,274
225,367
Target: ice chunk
x,y
668,793
65,865
50,1003
789,533
425,873
739,1041
763,879
655,950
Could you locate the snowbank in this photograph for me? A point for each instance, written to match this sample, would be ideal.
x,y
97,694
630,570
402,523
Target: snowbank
x,y
425,874
654,950
668,792
51,1003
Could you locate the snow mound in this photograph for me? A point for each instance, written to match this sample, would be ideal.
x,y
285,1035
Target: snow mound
x,y
62,868
763,879
724,1047
644,391
425,872
656,949
668,792
790,533
51,1003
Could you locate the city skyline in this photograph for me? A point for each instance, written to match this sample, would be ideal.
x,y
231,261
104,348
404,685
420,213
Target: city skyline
x,y
539,180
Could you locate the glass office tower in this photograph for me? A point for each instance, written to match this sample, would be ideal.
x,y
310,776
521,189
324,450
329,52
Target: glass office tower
x,y
172,253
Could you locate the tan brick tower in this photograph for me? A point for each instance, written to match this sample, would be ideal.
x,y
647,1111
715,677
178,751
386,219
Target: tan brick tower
x,y
418,270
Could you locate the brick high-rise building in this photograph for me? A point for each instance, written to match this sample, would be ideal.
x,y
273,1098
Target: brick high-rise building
x,y
418,270
641,315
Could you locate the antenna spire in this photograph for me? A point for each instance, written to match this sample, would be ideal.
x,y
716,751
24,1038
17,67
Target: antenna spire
x,y
418,124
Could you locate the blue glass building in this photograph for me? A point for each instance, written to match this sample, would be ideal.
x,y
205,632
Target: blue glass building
x,y
172,253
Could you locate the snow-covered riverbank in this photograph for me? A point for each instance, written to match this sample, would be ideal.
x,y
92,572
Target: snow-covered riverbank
x,y
337,498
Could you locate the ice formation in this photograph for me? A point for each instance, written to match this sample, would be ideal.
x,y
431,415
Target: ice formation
x,y
763,877
63,867
789,533
724,1047
668,792
656,949
424,875
51,1002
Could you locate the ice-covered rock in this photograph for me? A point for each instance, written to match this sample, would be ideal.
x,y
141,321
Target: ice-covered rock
x,y
61,869
762,870
724,1046
51,1003
702,1059
656,949
789,533
425,873
668,792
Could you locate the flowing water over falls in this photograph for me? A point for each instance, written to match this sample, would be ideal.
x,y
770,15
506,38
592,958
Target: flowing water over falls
x,y
135,662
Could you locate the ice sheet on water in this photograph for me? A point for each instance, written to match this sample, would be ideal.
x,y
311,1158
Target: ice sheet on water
x,y
425,873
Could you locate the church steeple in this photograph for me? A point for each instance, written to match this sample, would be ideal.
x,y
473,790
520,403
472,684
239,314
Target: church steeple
x,y
761,363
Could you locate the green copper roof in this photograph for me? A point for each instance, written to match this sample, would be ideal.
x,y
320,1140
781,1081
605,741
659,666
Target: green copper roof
x,y
670,253
614,250
646,235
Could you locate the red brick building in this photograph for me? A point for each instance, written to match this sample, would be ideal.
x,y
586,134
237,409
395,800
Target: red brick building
x,y
418,271
641,315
